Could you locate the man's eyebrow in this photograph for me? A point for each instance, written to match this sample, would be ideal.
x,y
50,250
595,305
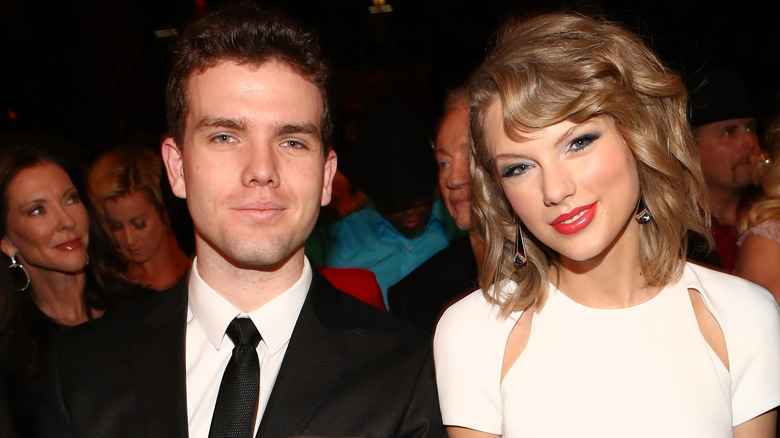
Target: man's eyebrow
x,y
221,122
298,128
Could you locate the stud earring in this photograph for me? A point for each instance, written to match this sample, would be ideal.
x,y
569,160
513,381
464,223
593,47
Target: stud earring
x,y
644,216
18,272
520,257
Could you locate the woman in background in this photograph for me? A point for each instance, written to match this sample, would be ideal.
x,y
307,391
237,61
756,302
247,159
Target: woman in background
x,y
590,323
61,269
758,259
125,188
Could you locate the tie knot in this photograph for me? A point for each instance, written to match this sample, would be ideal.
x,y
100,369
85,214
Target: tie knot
x,y
242,331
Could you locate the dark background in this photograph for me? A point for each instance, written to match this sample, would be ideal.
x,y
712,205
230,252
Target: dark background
x,y
94,71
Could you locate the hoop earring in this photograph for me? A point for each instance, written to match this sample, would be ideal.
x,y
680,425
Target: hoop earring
x,y
643,216
520,257
14,274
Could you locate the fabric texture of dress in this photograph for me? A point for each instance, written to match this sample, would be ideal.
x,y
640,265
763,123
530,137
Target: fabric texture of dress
x,y
642,371
769,229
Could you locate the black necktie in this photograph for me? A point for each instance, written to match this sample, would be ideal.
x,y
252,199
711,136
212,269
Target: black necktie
x,y
234,414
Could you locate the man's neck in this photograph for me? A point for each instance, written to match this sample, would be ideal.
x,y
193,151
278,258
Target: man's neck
x,y
248,288
724,205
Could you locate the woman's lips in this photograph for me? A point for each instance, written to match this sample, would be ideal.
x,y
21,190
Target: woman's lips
x,y
575,220
70,245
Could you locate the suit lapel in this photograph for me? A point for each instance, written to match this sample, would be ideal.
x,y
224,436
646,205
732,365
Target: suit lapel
x,y
320,346
157,350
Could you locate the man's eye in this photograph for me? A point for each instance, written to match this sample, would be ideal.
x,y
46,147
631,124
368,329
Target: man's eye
x,y
295,144
224,138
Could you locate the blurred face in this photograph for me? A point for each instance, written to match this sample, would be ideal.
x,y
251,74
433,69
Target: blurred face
x,y
47,223
452,155
252,166
411,218
136,226
728,150
573,186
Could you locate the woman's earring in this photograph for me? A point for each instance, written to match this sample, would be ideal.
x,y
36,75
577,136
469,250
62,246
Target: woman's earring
x,y
19,274
520,257
644,215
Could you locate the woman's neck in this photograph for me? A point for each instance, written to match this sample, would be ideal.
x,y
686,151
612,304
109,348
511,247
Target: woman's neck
x,y
166,267
60,296
612,280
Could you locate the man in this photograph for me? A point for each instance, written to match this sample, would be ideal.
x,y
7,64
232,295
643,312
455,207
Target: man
x,y
407,223
725,126
250,126
423,294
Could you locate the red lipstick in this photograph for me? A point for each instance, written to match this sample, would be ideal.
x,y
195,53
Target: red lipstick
x,y
70,245
575,220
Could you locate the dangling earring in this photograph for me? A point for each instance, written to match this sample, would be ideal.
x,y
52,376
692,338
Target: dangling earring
x,y
15,273
644,215
520,257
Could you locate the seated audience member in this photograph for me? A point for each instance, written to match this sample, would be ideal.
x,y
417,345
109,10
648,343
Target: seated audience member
x,y
422,295
61,269
759,254
407,223
725,128
255,343
125,188
590,322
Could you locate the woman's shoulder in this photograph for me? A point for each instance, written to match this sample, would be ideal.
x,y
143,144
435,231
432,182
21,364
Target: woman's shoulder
x,y
476,321
729,293
768,229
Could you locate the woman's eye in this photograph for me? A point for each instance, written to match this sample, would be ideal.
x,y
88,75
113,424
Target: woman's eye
x,y
73,199
139,225
583,141
114,226
444,164
35,211
514,170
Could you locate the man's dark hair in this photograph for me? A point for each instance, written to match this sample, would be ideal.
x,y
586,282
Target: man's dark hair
x,y
245,34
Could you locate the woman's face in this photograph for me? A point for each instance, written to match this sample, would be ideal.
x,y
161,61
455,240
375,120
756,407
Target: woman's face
x,y
136,226
47,223
574,186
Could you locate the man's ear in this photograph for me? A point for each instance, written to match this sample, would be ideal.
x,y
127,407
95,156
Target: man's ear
x,y
331,163
172,157
8,248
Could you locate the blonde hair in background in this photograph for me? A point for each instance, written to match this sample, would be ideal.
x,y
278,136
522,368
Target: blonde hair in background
x,y
120,172
570,67
768,206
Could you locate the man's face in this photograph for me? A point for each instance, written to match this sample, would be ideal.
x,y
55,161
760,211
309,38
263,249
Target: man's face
x,y
728,151
252,166
452,156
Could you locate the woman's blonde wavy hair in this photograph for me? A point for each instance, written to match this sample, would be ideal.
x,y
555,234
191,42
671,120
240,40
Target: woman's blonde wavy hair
x,y
768,206
564,66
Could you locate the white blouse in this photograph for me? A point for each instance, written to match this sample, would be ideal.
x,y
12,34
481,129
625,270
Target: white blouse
x,y
642,371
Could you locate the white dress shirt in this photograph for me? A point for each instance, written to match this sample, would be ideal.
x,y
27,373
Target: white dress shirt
x,y
208,349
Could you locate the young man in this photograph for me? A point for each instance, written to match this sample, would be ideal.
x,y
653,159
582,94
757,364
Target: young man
x,y
250,130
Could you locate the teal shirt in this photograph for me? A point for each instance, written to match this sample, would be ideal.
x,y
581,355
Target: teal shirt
x,y
365,239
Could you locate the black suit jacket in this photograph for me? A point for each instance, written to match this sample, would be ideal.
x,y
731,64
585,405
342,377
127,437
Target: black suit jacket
x,y
350,370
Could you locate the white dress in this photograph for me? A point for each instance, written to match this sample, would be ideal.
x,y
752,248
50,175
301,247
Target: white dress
x,y
643,371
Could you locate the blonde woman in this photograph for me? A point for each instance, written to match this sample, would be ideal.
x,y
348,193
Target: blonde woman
x,y
124,184
590,323
759,254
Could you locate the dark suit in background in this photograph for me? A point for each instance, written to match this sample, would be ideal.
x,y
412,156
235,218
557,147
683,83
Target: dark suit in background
x,y
423,295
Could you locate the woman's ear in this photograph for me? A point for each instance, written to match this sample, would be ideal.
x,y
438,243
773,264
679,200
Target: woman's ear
x,y
7,247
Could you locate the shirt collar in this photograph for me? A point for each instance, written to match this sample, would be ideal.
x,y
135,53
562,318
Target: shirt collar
x,y
275,320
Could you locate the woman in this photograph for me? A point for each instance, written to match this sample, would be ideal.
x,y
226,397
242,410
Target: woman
x,y
61,272
125,187
589,321
759,242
